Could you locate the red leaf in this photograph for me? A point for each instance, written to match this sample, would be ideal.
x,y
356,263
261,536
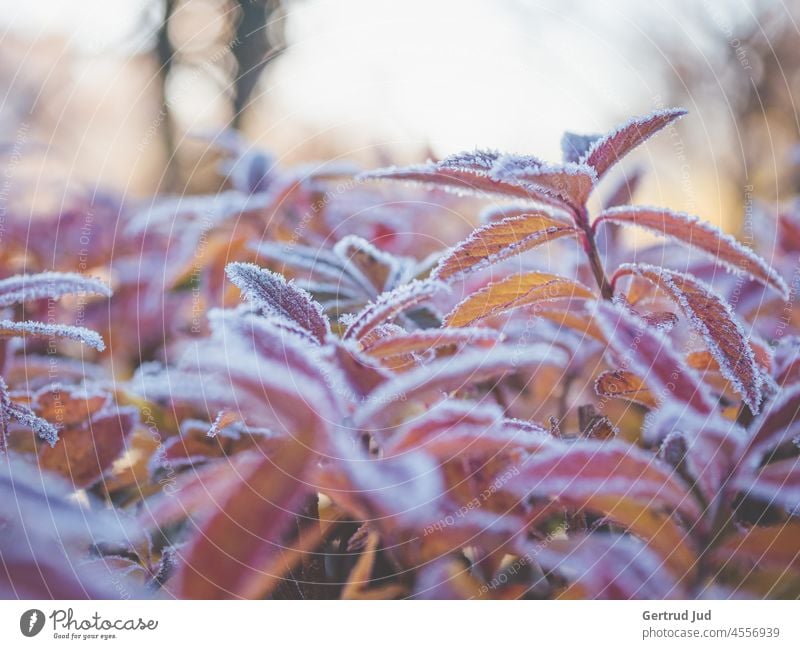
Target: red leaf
x,y
607,150
723,248
609,566
452,373
456,428
571,183
581,474
84,453
389,305
649,354
247,529
620,384
471,172
713,318
777,484
778,424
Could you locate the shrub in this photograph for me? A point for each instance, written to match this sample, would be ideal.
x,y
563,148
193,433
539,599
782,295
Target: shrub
x,y
382,418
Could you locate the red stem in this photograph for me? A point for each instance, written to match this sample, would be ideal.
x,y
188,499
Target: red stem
x,y
593,254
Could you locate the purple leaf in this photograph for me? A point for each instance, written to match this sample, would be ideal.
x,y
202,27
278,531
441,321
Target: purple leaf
x,y
81,334
272,293
21,288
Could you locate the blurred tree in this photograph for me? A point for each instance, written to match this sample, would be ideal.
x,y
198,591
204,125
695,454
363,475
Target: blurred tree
x,y
252,37
751,74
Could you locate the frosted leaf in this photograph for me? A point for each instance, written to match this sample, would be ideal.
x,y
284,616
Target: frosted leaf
x,y
21,288
592,474
272,293
778,423
455,373
465,174
390,304
512,293
497,241
609,149
396,493
684,228
711,443
575,146
477,160
81,334
25,416
712,317
787,361
463,429
320,263
610,566
648,353
428,339
777,484
569,182
5,403
380,268
159,384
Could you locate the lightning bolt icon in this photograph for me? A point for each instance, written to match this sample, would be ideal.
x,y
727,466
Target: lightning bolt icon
x,y
32,620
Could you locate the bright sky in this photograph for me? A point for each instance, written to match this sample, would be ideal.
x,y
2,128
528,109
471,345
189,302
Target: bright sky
x,y
455,74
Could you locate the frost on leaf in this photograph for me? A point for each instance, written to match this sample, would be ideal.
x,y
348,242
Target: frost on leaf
x,y
595,475
25,416
255,511
777,484
513,293
380,268
462,173
46,536
274,295
88,337
500,240
713,318
711,445
484,172
21,288
428,339
457,428
610,566
450,374
690,230
777,424
648,353
390,304
609,149
569,183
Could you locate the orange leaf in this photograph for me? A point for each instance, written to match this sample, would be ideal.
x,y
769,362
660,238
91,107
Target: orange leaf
x,y
500,240
513,293
621,384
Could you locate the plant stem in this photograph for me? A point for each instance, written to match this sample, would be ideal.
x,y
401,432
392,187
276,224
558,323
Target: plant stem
x,y
590,247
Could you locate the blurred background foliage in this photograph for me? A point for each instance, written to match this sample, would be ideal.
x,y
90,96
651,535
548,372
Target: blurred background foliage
x,y
114,91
